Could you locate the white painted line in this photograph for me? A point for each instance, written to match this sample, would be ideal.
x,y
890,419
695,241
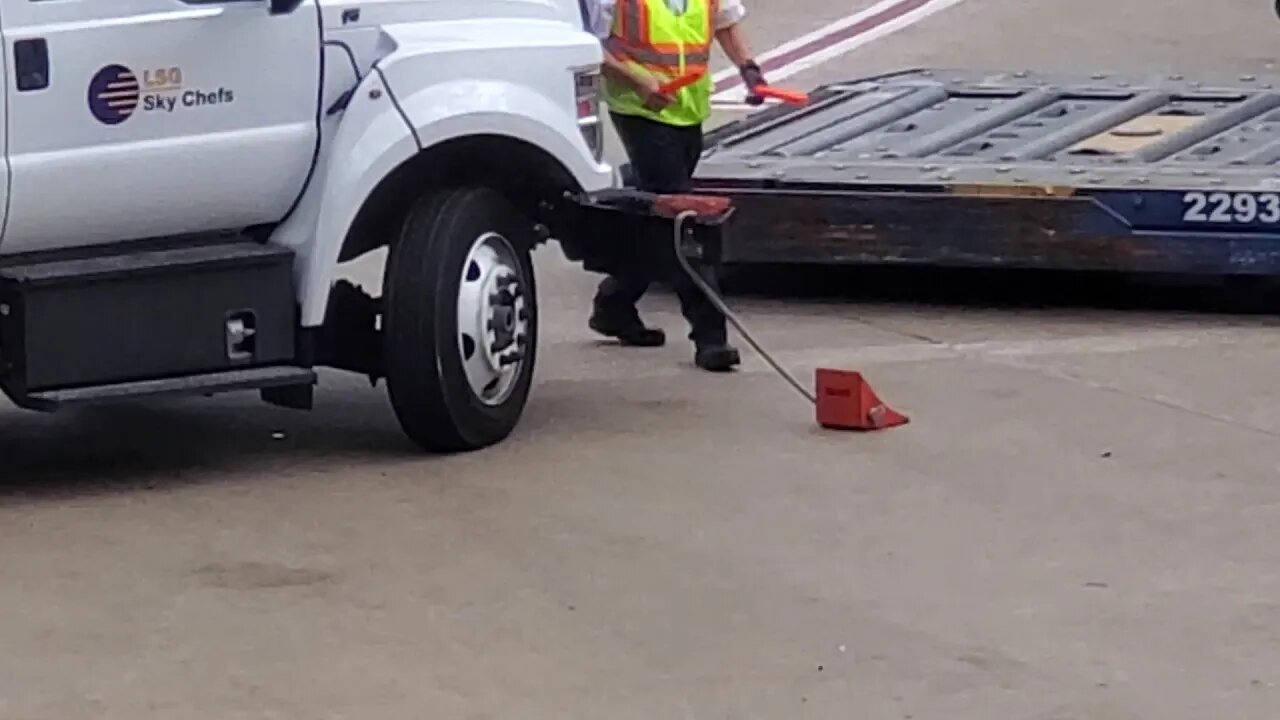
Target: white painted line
x,y
831,41
825,31
733,106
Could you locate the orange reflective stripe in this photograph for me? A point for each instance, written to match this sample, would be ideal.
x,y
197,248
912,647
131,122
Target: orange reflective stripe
x,y
631,21
632,25
642,19
664,60
623,21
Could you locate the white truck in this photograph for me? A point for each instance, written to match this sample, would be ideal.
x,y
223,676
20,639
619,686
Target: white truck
x,y
183,177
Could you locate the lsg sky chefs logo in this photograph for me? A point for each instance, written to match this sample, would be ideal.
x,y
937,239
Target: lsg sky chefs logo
x,y
117,93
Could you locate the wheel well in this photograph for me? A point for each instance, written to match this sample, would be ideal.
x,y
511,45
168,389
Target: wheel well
x,y
521,170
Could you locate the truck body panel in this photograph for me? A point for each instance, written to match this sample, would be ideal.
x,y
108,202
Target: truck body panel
x,y
388,13
144,124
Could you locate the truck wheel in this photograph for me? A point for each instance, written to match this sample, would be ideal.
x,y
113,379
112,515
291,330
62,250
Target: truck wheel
x,y
461,320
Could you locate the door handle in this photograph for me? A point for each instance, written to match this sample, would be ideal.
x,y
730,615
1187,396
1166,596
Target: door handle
x,y
31,64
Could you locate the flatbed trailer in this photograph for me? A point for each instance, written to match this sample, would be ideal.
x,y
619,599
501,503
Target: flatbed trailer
x,y
955,168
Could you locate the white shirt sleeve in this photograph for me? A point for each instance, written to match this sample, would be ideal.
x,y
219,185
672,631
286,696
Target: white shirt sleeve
x,y
600,15
731,13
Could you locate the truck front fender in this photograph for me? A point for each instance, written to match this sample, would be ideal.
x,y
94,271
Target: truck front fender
x,y
380,132
477,107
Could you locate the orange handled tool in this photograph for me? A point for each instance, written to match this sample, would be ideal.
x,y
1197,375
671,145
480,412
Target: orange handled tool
x,y
792,97
672,86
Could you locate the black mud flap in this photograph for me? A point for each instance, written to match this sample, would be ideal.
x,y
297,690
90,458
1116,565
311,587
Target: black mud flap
x,y
624,229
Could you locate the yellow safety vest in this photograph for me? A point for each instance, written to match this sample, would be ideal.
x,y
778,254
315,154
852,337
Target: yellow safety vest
x,y
651,39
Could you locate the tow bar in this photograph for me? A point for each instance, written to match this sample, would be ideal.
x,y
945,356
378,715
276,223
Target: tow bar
x,y
843,399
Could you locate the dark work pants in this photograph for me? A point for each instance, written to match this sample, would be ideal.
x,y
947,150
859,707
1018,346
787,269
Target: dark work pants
x,y
663,158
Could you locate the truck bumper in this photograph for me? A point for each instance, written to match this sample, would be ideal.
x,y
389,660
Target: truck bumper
x,y
614,230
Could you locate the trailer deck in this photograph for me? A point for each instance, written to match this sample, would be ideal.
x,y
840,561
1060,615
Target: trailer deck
x,y
1009,169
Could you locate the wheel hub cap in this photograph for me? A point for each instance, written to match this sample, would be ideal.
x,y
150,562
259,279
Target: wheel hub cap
x,y
493,319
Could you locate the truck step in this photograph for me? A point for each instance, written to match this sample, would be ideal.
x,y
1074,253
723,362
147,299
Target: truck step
x,y
206,384
133,313
136,259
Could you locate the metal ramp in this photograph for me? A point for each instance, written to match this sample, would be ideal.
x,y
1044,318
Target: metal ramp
x,y
1010,169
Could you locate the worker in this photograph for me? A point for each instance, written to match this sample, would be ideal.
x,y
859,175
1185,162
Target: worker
x,y
648,43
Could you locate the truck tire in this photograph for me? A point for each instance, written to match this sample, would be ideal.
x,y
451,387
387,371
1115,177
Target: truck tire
x,y
460,322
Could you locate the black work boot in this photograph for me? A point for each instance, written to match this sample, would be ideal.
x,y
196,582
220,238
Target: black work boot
x,y
631,332
716,357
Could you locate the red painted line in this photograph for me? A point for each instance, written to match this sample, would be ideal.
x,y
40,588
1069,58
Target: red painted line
x,y
823,42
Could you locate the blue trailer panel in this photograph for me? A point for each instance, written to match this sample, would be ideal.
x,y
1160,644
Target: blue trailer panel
x,y
1009,169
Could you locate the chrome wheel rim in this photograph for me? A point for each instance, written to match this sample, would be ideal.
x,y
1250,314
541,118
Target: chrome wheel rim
x,y
493,319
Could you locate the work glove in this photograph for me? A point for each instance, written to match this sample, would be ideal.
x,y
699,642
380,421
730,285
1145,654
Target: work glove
x,y
752,77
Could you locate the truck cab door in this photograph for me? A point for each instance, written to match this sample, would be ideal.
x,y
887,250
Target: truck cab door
x,y
136,119
6,71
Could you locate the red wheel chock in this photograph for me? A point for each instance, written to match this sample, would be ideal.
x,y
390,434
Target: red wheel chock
x,y
845,401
